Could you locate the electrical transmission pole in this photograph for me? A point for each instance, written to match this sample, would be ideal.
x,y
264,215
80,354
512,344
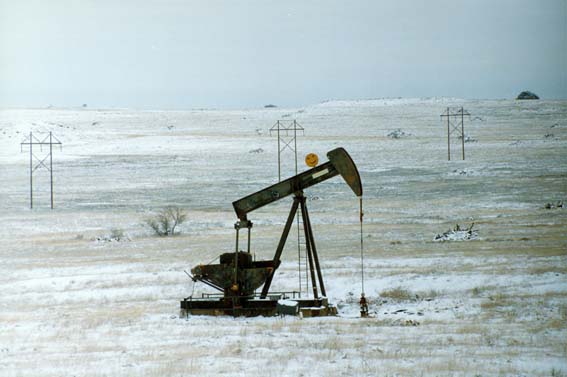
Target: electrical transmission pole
x,y
36,162
455,124
286,131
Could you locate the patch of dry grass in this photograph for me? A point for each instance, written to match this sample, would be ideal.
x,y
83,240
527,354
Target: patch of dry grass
x,y
548,268
482,290
397,293
402,294
496,300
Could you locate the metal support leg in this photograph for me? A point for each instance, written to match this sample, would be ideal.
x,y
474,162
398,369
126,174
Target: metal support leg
x,y
237,233
249,234
235,280
31,171
448,136
51,166
280,247
463,131
309,251
309,236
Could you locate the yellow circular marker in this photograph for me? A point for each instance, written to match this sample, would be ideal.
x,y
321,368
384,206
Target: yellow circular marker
x,y
311,160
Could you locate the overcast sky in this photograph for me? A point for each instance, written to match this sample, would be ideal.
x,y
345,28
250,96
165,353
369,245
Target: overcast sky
x,y
176,54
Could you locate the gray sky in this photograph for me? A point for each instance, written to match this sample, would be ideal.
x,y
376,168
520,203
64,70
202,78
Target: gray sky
x,y
175,54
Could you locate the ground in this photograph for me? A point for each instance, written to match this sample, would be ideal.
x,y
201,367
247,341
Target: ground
x,y
74,302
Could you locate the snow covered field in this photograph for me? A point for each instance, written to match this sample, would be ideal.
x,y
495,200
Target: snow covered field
x,y
495,305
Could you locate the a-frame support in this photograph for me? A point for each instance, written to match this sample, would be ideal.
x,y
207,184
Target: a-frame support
x,y
314,267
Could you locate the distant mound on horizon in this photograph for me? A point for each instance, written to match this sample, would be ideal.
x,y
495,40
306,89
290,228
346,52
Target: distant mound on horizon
x,y
526,94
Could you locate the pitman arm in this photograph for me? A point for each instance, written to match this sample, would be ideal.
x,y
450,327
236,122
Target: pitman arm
x,y
339,163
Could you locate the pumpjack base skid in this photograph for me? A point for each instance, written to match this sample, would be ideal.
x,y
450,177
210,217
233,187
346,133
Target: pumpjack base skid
x,y
273,305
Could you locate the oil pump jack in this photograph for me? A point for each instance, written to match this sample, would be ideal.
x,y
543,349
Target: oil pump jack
x,y
238,276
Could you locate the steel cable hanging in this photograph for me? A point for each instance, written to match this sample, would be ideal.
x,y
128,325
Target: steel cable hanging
x,y
361,248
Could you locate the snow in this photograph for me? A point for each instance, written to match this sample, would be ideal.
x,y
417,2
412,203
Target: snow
x,y
383,102
495,305
290,303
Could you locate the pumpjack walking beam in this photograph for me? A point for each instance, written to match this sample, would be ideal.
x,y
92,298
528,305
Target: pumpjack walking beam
x,y
339,163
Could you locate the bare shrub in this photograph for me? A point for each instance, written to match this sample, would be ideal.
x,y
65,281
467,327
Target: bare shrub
x,y
165,222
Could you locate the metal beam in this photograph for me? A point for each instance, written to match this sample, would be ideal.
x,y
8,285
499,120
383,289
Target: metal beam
x,y
340,163
311,243
280,247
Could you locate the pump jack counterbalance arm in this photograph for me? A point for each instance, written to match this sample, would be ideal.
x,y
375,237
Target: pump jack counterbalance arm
x,y
339,163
